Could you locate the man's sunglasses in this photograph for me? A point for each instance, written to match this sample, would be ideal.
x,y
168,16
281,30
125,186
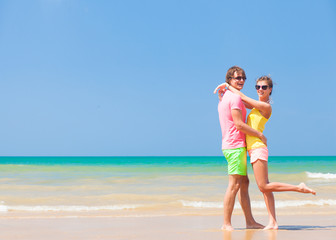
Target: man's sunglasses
x,y
263,87
239,78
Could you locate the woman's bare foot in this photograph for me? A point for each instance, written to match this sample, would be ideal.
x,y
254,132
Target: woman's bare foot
x,y
271,226
227,227
304,189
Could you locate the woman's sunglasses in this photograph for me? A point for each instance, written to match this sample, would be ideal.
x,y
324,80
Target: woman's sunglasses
x,y
263,87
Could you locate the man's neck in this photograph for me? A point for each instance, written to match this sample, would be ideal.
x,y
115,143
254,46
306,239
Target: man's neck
x,y
236,88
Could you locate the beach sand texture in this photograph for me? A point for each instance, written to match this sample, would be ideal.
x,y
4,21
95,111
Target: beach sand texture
x,y
308,227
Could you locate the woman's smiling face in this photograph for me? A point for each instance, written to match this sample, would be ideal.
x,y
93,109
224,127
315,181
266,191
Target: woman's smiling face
x,y
263,93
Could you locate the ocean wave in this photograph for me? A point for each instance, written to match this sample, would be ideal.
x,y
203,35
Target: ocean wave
x,y
183,203
321,175
261,204
64,208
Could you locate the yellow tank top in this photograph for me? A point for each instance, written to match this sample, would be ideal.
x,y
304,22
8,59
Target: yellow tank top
x,y
256,121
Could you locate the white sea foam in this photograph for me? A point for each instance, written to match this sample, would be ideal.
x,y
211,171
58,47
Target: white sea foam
x,y
191,204
200,204
291,203
64,208
3,208
261,204
321,175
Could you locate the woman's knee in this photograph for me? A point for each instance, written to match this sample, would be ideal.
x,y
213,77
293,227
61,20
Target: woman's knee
x,y
263,188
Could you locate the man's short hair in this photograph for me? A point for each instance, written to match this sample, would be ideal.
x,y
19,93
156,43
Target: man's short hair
x,y
231,71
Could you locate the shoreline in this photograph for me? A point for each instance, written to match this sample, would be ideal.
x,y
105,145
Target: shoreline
x,y
48,215
238,213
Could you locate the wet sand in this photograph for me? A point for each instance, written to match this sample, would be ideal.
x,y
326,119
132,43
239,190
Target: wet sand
x,y
176,227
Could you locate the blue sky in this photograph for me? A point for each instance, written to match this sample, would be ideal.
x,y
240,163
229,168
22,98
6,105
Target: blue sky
x,y
135,78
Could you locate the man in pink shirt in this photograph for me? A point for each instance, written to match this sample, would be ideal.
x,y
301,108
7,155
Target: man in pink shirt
x,y
232,115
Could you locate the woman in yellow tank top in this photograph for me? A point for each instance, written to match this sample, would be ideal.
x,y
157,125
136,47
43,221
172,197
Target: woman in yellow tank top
x,y
259,115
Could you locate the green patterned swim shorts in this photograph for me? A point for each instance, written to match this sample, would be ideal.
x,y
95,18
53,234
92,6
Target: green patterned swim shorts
x,y
236,159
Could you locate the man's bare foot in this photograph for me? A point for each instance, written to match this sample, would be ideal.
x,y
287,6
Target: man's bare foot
x,y
271,226
227,227
255,225
304,189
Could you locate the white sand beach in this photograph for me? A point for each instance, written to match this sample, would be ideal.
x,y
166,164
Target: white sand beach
x,y
308,227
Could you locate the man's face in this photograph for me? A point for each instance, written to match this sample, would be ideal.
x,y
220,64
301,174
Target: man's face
x,y
238,81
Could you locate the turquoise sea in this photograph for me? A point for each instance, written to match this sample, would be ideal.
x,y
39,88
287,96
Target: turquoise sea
x,y
152,186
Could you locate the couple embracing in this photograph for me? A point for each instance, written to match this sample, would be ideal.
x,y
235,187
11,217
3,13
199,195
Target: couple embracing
x,y
239,137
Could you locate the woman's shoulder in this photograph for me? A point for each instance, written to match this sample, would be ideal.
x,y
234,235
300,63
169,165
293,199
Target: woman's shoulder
x,y
266,114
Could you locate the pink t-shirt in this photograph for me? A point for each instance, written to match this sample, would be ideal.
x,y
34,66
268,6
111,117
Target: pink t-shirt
x,y
231,136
